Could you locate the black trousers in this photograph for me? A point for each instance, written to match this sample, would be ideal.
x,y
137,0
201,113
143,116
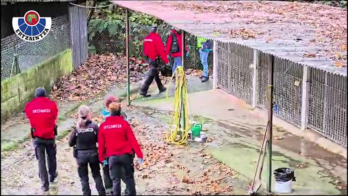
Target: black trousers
x,y
85,158
117,164
153,74
108,180
42,147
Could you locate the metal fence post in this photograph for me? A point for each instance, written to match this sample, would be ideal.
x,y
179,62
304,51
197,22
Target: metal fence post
x,y
305,97
270,121
127,56
255,77
215,65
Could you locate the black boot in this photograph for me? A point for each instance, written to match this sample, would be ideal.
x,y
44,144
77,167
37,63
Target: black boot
x,y
163,89
52,178
144,94
204,79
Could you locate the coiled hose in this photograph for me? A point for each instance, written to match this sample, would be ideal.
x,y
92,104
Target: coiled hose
x,y
177,134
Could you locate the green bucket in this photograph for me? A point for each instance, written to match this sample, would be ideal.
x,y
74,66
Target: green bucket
x,y
196,130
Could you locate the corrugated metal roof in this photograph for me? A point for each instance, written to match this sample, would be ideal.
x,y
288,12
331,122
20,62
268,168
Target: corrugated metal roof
x,y
273,33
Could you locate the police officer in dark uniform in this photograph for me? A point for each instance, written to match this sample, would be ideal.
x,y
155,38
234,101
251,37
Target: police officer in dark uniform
x,y
153,48
84,139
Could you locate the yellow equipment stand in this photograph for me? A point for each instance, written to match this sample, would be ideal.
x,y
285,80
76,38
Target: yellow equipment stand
x,y
179,131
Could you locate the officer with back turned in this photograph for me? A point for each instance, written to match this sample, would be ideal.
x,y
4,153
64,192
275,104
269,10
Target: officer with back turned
x,y
42,114
84,140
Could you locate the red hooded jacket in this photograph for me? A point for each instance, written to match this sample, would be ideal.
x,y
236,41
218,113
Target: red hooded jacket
x,y
169,44
153,47
42,114
118,137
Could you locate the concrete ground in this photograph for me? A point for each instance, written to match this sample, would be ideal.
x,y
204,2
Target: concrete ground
x,y
240,130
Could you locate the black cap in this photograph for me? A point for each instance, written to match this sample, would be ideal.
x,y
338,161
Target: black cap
x,y
40,92
153,29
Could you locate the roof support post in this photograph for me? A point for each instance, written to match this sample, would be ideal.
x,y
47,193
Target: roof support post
x,y
215,64
127,56
255,67
305,97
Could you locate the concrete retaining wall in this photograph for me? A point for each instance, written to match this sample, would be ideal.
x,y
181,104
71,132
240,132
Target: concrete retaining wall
x,y
18,90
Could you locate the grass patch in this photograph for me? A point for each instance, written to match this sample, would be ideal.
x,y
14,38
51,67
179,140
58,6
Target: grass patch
x,y
73,109
9,146
63,134
200,119
61,117
13,145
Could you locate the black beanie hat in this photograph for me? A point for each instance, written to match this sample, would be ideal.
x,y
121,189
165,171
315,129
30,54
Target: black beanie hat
x,y
40,92
153,29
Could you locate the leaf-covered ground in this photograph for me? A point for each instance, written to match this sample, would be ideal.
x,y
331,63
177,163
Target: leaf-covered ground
x,y
167,169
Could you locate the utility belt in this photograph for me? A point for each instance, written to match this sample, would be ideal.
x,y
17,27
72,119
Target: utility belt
x,y
75,150
32,130
155,62
130,154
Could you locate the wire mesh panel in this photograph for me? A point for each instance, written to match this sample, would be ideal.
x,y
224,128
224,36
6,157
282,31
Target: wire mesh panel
x,y
240,72
223,65
263,80
287,97
28,54
335,122
288,90
316,100
328,105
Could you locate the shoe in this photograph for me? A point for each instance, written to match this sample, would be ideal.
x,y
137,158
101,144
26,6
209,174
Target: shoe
x,y
52,178
204,79
45,189
144,94
109,191
126,192
201,77
163,89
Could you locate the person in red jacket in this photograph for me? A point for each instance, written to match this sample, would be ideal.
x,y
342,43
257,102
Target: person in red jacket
x,y
42,114
116,141
174,47
153,48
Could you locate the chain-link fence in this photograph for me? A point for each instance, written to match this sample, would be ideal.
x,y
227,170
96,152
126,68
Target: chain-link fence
x,y
18,55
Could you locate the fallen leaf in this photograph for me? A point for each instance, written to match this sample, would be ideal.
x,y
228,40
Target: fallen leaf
x,y
309,55
339,64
